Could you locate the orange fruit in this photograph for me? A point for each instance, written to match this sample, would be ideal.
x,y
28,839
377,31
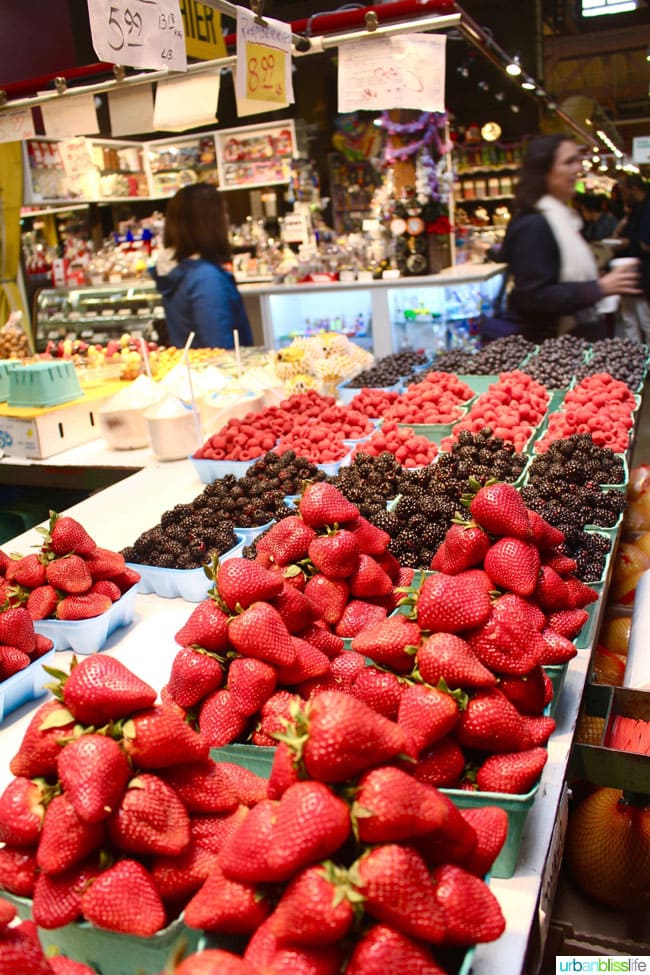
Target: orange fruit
x,y
607,849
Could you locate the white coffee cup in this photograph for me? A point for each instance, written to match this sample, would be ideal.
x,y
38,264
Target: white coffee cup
x,y
624,262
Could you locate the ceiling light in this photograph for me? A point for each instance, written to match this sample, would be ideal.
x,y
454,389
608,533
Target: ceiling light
x,y
514,108
463,70
528,84
552,105
483,85
596,8
588,121
499,95
603,167
514,68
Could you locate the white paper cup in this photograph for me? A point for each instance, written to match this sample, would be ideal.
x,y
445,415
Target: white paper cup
x,y
624,262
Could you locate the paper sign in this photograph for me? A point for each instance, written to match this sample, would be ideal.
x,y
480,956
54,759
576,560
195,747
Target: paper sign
x,y
641,149
263,76
77,157
185,103
16,124
203,31
131,110
393,72
69,115
138,33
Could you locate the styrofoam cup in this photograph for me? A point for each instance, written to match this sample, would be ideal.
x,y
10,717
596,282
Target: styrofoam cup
x,y
624,262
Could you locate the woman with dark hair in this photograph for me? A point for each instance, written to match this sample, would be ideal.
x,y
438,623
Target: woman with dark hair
x,y
199,293
556,287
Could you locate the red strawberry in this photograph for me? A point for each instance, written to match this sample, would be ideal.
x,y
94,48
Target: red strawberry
x,y
206,627
7,914
514,565
260,632
94,771
21,953
445,656
212,960
369,580
27,571
392,643
70,573
383,950
323,639
526,691
559,562
501,658
203,787
552,592
67,535
315,908
490,824
309,663
395,883
107,588
379,689
57,899
101,688
108,902
106,564
500,510
580,595
264,953
211,832
18,870
244,854
21,812
310,823
219,720
248,787
12,661
568,622
441,765
65,839
451,603
358,615
242,583
127,578
513,772
345,668
43,646
344,737
157,737
42,602
226,905
150,819
328,596
179,877
295,609
464,546
251,683
17,629
41,743
471,912
399,575
427,714
284,771
194,674
538,728
62,965
336,554
83,607
490,723
323,505
287,541
544,535
371,540
557,649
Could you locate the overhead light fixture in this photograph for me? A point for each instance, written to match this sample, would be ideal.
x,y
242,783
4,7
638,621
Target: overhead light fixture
x,y
514,68
608,142
483,85
463,70
588,121
491,131
603,167
551,105
597,8
514,108
528,84
499,95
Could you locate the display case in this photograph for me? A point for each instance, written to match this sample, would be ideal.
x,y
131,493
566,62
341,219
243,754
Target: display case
x,y
81,169
97,313
174,163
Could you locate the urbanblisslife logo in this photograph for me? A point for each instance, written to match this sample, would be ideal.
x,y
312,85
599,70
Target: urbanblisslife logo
x,y
602,963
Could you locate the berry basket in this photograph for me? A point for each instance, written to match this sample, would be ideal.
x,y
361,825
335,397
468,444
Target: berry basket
x,y
24,686
189,584
212,470
256,758
250,534
557,675
43,384
5,368
88,636
345,393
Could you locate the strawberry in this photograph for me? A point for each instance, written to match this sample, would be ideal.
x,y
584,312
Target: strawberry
x,y
65,839
441,765
345,668
559,562
244,853
296,610
580,595
490,824
7,914
502,658
328,596
62,965
526,691
27,571
399,575
310,823
568,622
287,541
464,546
499,509
309,663
316,908
70,573
211,832
445,656
370,539
336,554
21,953
357,615
557,649
321,504
66,535
157,737
343,737
490,723
379,689
514,565
227,905
41,743
150,819
369,579
108,902
107,588
57,899
212,960
105,564
18,870
247,786
451,603
17,629
179,877
323,639
264,953
284,772
240,583
250,682
382,950
194,674
219,720
203,787
41,602
551,592
126,579
260,632
206,627
427,714
538,728
43,645
100,689
21,812
12,661
395,883
543,534
94,771
391,643
471,913
82,607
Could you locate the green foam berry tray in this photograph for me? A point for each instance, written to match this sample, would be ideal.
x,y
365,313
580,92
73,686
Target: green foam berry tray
x,y
42,384
256,758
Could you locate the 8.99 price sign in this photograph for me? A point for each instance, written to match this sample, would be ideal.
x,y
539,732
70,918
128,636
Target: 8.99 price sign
x,y
138,33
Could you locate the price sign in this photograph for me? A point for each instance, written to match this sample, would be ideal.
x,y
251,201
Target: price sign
x,y
138,33
16,124
263,75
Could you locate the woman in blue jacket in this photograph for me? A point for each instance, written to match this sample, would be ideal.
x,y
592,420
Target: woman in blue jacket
x,y
199,294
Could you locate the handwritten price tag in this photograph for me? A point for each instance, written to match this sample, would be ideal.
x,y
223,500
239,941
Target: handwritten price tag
x,y
393,72
16,125
265,73
138,33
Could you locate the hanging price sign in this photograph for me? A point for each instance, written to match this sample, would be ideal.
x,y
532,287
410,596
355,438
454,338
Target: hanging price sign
x,y
138,33
263,76
265,73
16,124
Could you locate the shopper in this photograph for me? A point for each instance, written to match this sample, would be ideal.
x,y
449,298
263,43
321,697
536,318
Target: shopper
x,y
598,222
199,293
555,287
634,312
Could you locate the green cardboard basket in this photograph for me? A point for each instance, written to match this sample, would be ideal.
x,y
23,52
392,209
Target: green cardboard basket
x,y
256,758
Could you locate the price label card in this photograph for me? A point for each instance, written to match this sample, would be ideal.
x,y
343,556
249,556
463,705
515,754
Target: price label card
x,y
263,74
16,124
139,33
393,72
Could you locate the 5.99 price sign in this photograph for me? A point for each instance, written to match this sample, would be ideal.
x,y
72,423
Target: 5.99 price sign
x,y
138,33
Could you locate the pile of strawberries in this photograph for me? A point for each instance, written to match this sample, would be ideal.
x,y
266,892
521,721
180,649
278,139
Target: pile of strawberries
x,y
274,628
435,399
410,449
599,405
375,403
115,806
69,578
20,645
20,949
512,408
